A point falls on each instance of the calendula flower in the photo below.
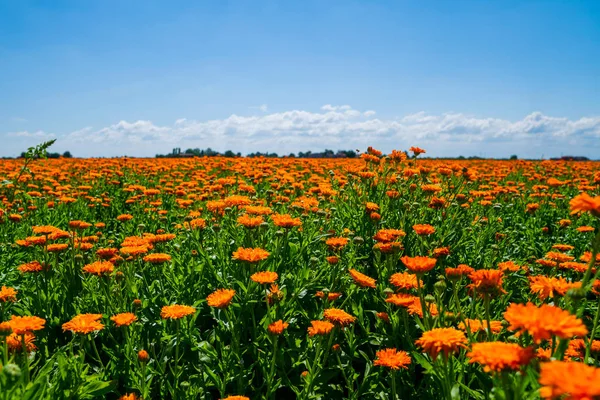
(585, 203)
(569, 380)
(487, 281)
(336, 243)
(416, 150)
(544, 322)
(130, 396)
(176, 311)
(285, 221)
(84, 324)
(404, 280)
(361, 279)
(30, 267)
(27, 324)
(251, 255)
(546, 287)
(442, 340)
(250, 222)
(236, 398)
(14, 342)
(388, 235)
(499, 356)
(123, 319)
(8, 294)
(419, 264)
(277, 327)
(157, 258)
(220, 298)
(392, 358)
(476, 325)
(99, 268)
(320, 328)
(423, 229)
(338, 316)
(401, 299)
(458, 272)
(264, 277)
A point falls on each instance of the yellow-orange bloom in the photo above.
(27, 324)
(277, 327)
(442, 340)
(251, 255)
(220, 298)
(99, 268)
(264, 277)
(392, 358)
(339, 317)
(320, 328)
(487, 281)
(250, 222)
(84, 324)
(499, 356)
(285, 221)
(361, 279)
(476, 325)
(176, 311)
(404, 280)
(544, 322)
(123, 319)
(336, 243)
(8, 294)
(423, 229)
(157, 258)
(569, 380)
(584, 202)
(419, 264)
(15, 342)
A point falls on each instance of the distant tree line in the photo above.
(66, 154)
(212, 153)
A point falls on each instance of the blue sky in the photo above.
(490, 78)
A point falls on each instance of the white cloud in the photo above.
(340, 127)
(36, 134)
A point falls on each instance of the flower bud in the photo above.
(143, 356)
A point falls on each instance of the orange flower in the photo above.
(33, 266)
(27, 324)
(220, 298)
(416, 150)
(99, 268)
(442, 340)
(458, 272)
(7, 294)
(176, 311)
(546, 287)
(509, 266)
(415, 308)
(277, 327)
(123, 319)
(476, 325)
(392, 358)
(336, 243)
(84, 324)
(125, 217)
(264, 277)
(331, 296)
(419, 264)
(404, 280)
(285, 221)
(558, 257)
(423, 229)
(57, 247)
(544, 322)
(157, 258)
(569, 380)
(361, 279)
(130, 396)
(401, 299)
(236, 398)
(585, 228)
(250, 222)
(320, 328)
(15, 342)
(337, 316)
(584, 202)
(388, 235)
(487, 281)
(251, 255)
(143, 356)
(499, 356)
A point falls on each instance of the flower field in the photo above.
(380, 277)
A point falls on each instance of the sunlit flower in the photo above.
(8, 294)
(251, 255)
(442, 340)
(499, 356)
(392, 358)
(419, 264)
(338, 316)
(123, 319)
(220, 298)
(84, 324)
(176, 311)
(569, 380)
(99, 268)
(277, 327)
(264, 277)
(27, 324)
(320, 328)
(361, 279)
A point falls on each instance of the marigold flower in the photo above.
(15, 342)
(8, 294)
(442, 340)
(419, 264)
(404, 280)
(285, 221)
(107, 253)
(27, 324)
(392, 358)
(130, 396)
(388, 235)
(509, 266)
(84, 324)
(361, 279)
(423, 229)
(250, 222)
(459, 271)
(500, 356)
(546, 287)
(584, 202)
(123, 319)
(277, 327)
(220, 298)
(336, 243)
(544, 322)
(401, 299)
(487, 281)
(157, 258)
(476, 325)
(251, 255)
(125, 217)
(99, 268)
(585, 228)
(30, 267)
(416, 150)
(176, 311)
(264, 277)
(338, 316)
(383, 316)
(415, 308)
(143, 356)
(320, 328)
(236, 398)
(574, 380)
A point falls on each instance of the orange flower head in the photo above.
(569, 380)
(544, 322)
(277, 327)
(392, 358)
(404, 280)
(547, 287)
(487, 281)
(585, 203)
(220, 298)
(401, 299)
(442, 340)
(143, 356)
(388, 235)
(251, 255)
(459, 271)
(15, 342)
(176, 311)
(338, 316)
(248, 221)
(336, 243)
(423, 229)
(123, 319)
(500, 356)
(419, 264)
(8, 294)
(27, 324)
(285, 221)
(264, 277)
(84, 324)
(30, 267)
(416, 150)
(157, 258)
(99, 268)
(476, 325)
(236, 398)
(320, 328)
(361, 279)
